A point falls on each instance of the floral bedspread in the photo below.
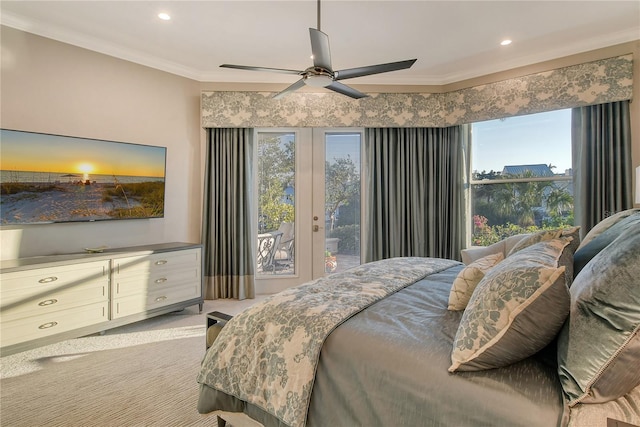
(268, 354)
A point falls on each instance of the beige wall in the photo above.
(52, 87)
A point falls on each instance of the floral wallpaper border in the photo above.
(590, 83)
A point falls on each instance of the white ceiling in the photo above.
(452, 40)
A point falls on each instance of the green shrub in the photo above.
(349, 236)
(485, 234)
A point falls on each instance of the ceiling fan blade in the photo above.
(346, 90)
(320, 49)
(373, 69)
(250, 68)
(297, 85)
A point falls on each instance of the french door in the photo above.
(308, 202)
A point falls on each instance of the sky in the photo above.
(337, 145)
(341, 145)
(543, 138)
(36, 152)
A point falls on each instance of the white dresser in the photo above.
(49, 299)
(145, 282)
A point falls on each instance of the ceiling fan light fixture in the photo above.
(319, 80)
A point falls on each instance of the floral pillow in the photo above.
(566, 258)
(544, 235)
(515, 311)
(467, 280)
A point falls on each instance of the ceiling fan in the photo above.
(321, 74)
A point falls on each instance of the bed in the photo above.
(434, 342)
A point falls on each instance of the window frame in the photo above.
(502, 179)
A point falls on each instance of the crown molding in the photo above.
(466, 71)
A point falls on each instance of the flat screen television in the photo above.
(48, 178)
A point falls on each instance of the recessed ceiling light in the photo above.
(164, 16)
(506, 42)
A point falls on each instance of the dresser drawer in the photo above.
(16, 331)
(156, 263)
(144, 283)
(37, 281)
(128, 305)
(16, 305)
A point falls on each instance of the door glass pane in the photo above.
(342, 201)
(276, 203)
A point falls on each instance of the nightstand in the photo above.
(215, 322)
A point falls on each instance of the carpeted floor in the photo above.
(142, 374)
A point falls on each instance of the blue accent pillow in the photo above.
(599, 345)
(584, 254)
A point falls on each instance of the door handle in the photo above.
(316, 228)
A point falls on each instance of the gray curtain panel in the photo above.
(227, 229)
(602, 169)
(415, 192)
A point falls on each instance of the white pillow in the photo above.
(504, 246)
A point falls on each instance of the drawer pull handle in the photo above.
(162, 298)
(47, 325)
(47, 302)
(48, 279)
(161, 280)
(161, 262)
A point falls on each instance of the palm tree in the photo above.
(517, 200)
(484, 191)
(559, 201)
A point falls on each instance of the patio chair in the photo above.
(267, 246)
(285, 249)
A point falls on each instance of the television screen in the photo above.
(53, 178)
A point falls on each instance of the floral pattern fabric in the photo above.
(515, 311)
(267, 355)
(467, 280)
(596, 82)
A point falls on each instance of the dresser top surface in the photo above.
(10, 265)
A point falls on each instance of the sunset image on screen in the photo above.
(51, 153)
(53, 178)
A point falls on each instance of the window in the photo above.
(521, 178)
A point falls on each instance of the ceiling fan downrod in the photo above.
(321, 73)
